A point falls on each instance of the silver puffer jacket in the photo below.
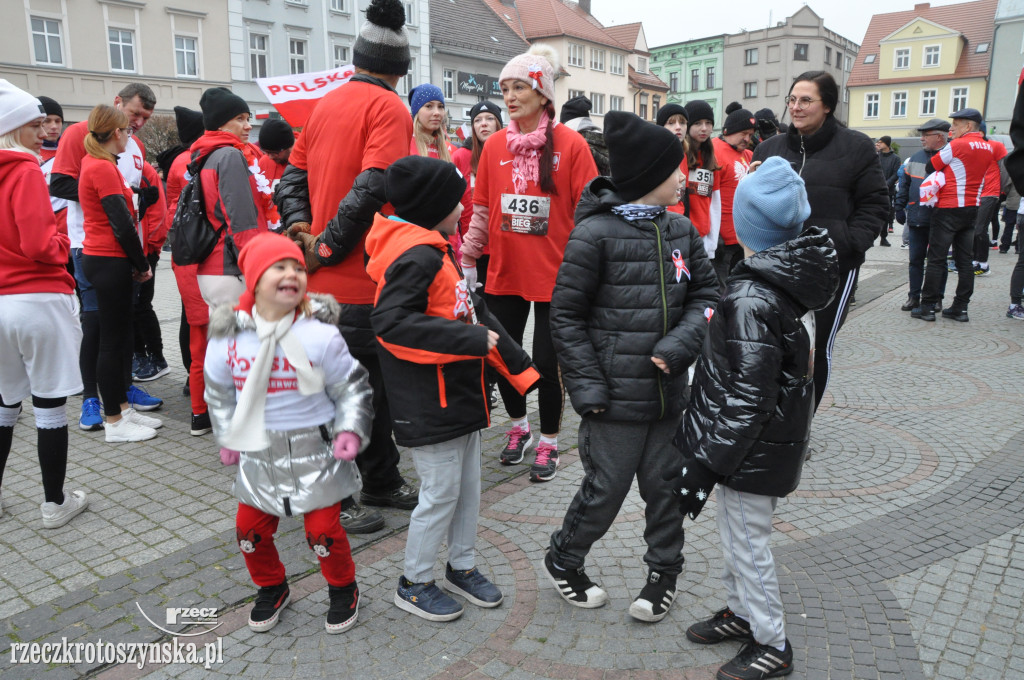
(298, 472)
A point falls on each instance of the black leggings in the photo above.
(111, 278)
(513, 311)
(51, 447)
(148, 339)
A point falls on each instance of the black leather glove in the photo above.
(693, 485)
(148, 195)
(901, 216)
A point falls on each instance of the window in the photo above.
(575, 55)
(750, 90)
(406, 84)
(410, 14)
(641, 64)
(185, 56)
(847, 63)
(828, 56)
(869, 59)
(839, 59)
(596, 59)
(928, 102)
(750, 56)
(800, 52)
(340, 56)
(846, 95)
(959, 98)
(297, 55)
(448, 83)
(899, 104)
(709, 78)
(617, 64)
(981, 48)
(597, 103)
(122, 49)
(902, 59)
(339, 5)
(655, 105)
(576, 93)
(694, 79)
(258, 55)
(871, 105)
(643, 106)
(932, 54)
(615, 103)
(46, 41)
(673, 81)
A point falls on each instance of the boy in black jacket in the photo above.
(436, 338)
(748, 422)
(628, 316)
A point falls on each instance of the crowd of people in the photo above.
(369, 286)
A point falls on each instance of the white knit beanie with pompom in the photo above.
(536, 67)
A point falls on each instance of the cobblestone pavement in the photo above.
(900, 555)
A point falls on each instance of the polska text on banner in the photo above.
(295, 96)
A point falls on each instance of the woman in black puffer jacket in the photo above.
(846, 190)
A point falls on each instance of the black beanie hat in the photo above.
(276, 135)
(738, 121)
(669, 110)
(219, 105)
(641, 155)
(733, 106)
(423, 190)
(382, 45)
(486, 106)
(190, 124)
(697, 110)
(51, 107)
(577, 107)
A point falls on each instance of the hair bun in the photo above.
(387, 13)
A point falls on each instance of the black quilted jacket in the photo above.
(749, 416)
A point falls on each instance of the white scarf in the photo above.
(247, 431)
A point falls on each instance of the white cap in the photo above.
(17, 107)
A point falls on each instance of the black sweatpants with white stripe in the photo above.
(827, 322)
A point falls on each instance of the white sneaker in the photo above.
(139, 419)
(75, 502)
(126, 430)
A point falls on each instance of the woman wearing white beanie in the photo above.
(38, 308)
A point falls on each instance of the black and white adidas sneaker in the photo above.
(724, 625)
(655, 599)
(756, 662)
(574, 586)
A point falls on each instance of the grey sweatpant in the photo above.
(613, 452)
(752, 584)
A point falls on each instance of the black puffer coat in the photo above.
(749, 416)
(845, 185)
(621, 298)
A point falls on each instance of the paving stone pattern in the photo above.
(899, 556)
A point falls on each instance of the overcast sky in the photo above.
(668, 21)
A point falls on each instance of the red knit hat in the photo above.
(258, 255)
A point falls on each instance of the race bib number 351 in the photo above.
(702, 180)
(525, 214)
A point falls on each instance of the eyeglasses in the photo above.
(801, 103)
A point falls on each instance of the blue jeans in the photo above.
(918, 255)
(85, 288)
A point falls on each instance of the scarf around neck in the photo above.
(526, 148)
(634, 212)
(247, 431)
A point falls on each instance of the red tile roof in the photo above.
(974, 20)
(626, 34)
(551, 18)
(646, 81)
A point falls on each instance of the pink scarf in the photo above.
(527, 149)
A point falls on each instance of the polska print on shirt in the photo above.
(283, 376)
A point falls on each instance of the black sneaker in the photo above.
(361, 520)
(185, 391)
(755, 662)
(910, 303)
(518, 440)
(404, 497)
(200, 424)
(955, 314)
(724, 625)
(472, 585)
(655, 599)
(344, 609)
(924, 312)
(269, 603)
(545, 464)
(151, 368)
(574, 586)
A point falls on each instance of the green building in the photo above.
(693, 70)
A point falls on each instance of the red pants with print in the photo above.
(324, 535)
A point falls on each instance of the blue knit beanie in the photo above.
(770, 205)
(421, 94)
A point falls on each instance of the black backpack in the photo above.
(193, 237)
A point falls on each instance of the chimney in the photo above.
(921, 6)
(585, 5)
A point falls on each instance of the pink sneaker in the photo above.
(518, 441)
(545, 465)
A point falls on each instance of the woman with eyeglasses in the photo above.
(846, 190)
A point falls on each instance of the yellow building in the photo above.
(921, 64)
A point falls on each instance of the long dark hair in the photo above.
(477, 144)
(827, 88)
(547, 156)
(706, 152)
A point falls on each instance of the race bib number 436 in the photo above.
(525, 214)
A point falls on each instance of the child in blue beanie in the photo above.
(748, 422)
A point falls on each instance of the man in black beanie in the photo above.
(732, 150)
(627, 252)
(53, 126)
(276, 141)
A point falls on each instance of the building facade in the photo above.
(921, 64)
(1007, 59)
(647, 91)
(691, 70)
(763, 63)
(82, 52)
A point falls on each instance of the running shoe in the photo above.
(472, 585)
(54, 515)
(92, 416)
(518, 440)
(756, 662)
(141, 400)
(724, 625)
(1015, 312)
(574, 586)
(426, 601)
(152, 369)
(545, 465)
